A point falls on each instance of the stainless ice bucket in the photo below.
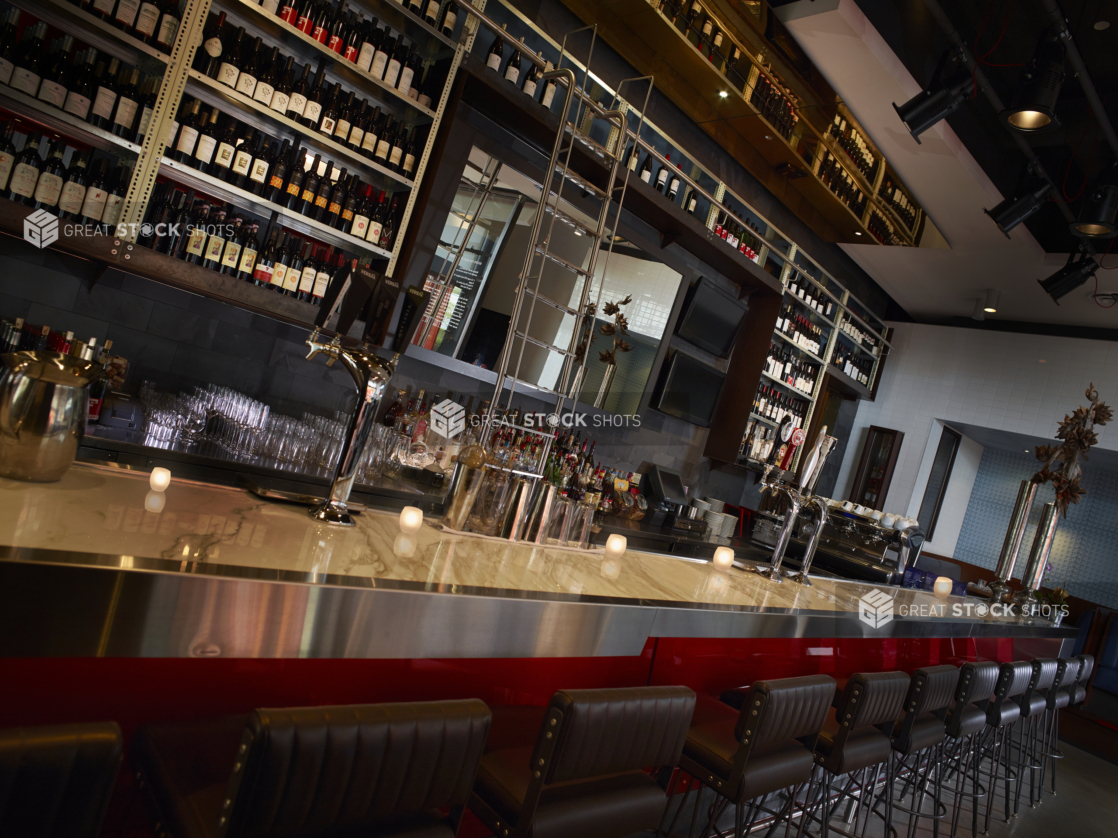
(44, 400)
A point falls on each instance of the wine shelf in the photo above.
(855, 344)
(68, 125)
(799, 394)
(848, 385)
(404, 20)
(243, 199)
(808, 310)
(253, 17)
(805, 352)
(220, 96)
(91, 30)
(764, 421)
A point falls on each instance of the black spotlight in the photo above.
(940, 98)
(1069, 277)
(1034, 106)
(1025, 202)
(1100, 210)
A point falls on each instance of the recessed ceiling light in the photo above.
(722, 94)
(1042, 361)
(857, 233)
(1102, 24)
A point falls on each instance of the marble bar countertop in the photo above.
(95, 519)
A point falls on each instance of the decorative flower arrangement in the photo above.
(617, 330)
(1061, 462)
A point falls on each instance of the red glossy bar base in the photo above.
(137, 691)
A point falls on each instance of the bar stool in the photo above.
(963, 722)
(373, 769)
(585, 774)
(1087, 665)
(855, 739)
(57, 781)
(1055, 701)
(1002, 712)
(921, 733)
(746, 755)
(1034, 704)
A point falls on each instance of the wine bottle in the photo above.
(396, 63)
(512, 69)
(149, 92)
(8, 44)
(226, 150)
(7, 153)
(352, 39)
(258, 172)
(168, 27)
(408, 72)
(450, 18)
(312, 110)
(189, 121)
(207, 143)
(292, 268)
(329, 117)
(279, 265)
(388, 231)
(376, 221)
(370, 39)
(321, 276)
(496, 54)
(549, 88)
(304, 17)
(249, 58)
(73, 190)
(306, 267)
(249, 248)
(311, 182)
(195, 247)
(673, 184)
(104, 101)
(343, 123)
(25, 172)
(30, 61)
(262, 270)
(124, 18)
(532, 79)
(357, 126)
(93, 205)
(278, 161)
(384, 144)
(296, 178)
(411, 149)
(662, 174)
(147, 21)
(361, 213)
(384, 50)
(266, 83)
(208, 59)
(372, 133)
(285, 83)
(333, 213)
(103, 9)
(81, 88)
(52, 88)
(348, 208)
(48, 188)
(228, 71)
(231, 255)
(297, 100)
(127, 104)
(396, 150)
(215, 242)
(117, 185)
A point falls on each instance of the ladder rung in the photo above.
(539, 387)
(542, 344)
(566, 219)
(579, 181)
(553, 303)
(593, 145)
(559, 260)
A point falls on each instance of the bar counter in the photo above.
(87, 570)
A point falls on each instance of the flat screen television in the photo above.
(688, 389)
(711, 319)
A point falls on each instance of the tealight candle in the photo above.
(615, 546)
(160, 479)
(155, 501)
(411, 519)
(942, 587)
(404, 546)
(723, 558)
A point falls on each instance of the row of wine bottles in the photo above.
(839, 181)
(355, 38)
(797, 373)
(900, 203)
(857, 367)
(882, 228)
(512, 71)
(707, 36)
(800, 331)
(215, 236)
(851, 141)
(773, 404)
(87, 84)
(78, 192)
(153, 22)
(740, 234)
(775, 103)
(283, 173)
(807, 293)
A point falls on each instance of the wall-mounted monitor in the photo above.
(711, 319)
(688, 389)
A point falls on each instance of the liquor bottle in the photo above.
(52, 88)
(304, 268)
(30, 61)
(168, 27)
(267, 77)
(250, 57)
(101, 112)
(394, 410)
(73, 190)
(232, 55)
(127, 104)
(25, 172)
(8, 43)
(262, 270)
(189, 122)
(215, 243)
(48, 188)
(285, 83)
(207, 143)
(208, 59)
(195, 247)
(496, 53)
(250, 246)
(311, 182)
(81, 87)
(93, 204)
(7, 153)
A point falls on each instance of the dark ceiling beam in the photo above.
(1081, 73)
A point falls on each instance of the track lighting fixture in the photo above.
(942, 96)
(978, 313)
(993, 296)
(1100, 209)
(1022, 204)
(1070, 276)
(1034, 106)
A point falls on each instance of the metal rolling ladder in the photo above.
(539, 251)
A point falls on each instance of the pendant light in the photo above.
(1034, 106)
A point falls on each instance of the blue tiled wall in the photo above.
(1085, 552)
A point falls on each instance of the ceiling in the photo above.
(877, 52)
(1103, 458)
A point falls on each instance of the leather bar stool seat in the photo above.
(862, 748)
(584, 774)
(856, 734)
(930, 691)
(383, 770)
(1079, 694)
(57, 780)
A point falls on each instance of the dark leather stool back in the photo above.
(871, 698)
(976, 685)
(306, 771)
(1088, 662)
(929, 691)
(1034, 700)
(57, 781)
(1013, 679)
(1052, 698)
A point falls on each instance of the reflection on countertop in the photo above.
(100, 512)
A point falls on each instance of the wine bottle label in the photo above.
(259, 171)
(406, 76)
(6, 68)
(530, 87)
(360, 226)
(23, 180)
(228, 74)
(293, 189)
(146, 19)
(71, 199)
(187, 138)
(327, 126)
(289, 14)
(350, 53)
(48, 189)
(168, 28)
(409, 163)
(356, 136)
(125, 112)
(231, 255)
(392, 72)
(262, 273)
(394, 157)
(25, 80)
(105, 6)
(126, 12)
(380, 61)
(335, 43)
(448, 22)
(304, 24)
(172, 132)
(225, 154)
(246, 84)
(248, 260)
(432, 12)
(493, 62)
(320, 34)
(512, 73)
(662, 177)
(145, 121)
(365, 56)
(321, 280)
(312, 111)
(341, 130)
(413, 93)
(291, 280)
(548, 95)
(214, 248)
(306, 280)
(320, 200)
(205, 149)
(270, 6)
(212, 46)
(423, 99)
(646, 175)
(308, 195)
(280, 102)
(382, 149)
(196, 242)
(114, 206)
(296, 104)
(334, 208)
(279, 274)
(103, 103)
(6, 161)
(346, 213)
(263, 92)
(369, 143)
(375, 229)
(52, 93)
(93, 207)
(241, 160)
